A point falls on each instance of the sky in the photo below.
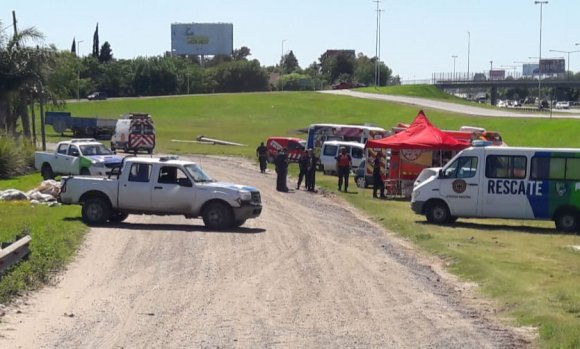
(418, 37)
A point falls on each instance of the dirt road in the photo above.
(309, 273)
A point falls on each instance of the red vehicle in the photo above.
(295, 147)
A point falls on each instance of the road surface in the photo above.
(451, 107)
(309, 273)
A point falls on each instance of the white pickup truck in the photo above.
(161, 186)
(84, 156)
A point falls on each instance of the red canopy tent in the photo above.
(421, 134)
(412, 148)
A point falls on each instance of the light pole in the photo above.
(281, 66)
(490, 68)
(454, 57)
(540, 56)
(79, 71)
(468, 49)
(568, 52)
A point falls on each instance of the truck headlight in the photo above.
(245, 196)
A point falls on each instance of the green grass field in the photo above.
(524, 266)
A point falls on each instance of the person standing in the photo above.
(343, 165)
(262, 154)
(378, 184)
(281, 163)
(311, 171)
(302, 166)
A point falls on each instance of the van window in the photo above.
(555, 168)
(330, 150)
(463, 167)
(505, 166)
(357, 153)
(351, 139)
(293, 145)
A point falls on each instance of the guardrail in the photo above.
(14, 252)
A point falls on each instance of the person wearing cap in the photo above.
(262, 154)
(311, 171)
(281, 163)
(302, 166)
(343, 165)
(378, 184)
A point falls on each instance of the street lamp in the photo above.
(281, 67)
(568, 52)
(468, 49)
(540, 56)
(79, 71)
(454, 57)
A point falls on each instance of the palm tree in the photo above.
(23, 72)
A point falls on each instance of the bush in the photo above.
(16, 157)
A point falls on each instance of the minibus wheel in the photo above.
(437, 212)
(566, 221)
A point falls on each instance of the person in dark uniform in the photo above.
(378, 184)
(343, 165)
(302, 166)
(311, 171)
(281, 163)
(262, 154)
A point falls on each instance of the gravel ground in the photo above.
(309, 273)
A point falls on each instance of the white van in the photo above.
(504, 182)
(329, 152)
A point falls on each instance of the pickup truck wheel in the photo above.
(217, 216)
(46, 172)
(96, 211)
(85, 172)
(437, 213)
(118, 217)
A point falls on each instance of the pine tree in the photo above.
(96, 42)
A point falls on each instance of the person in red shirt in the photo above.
(343, 165)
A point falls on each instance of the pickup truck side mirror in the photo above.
(441, 174)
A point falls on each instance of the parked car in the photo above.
(361, 177)
(563, 105)
(97, 96)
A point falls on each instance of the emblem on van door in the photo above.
(459, 186)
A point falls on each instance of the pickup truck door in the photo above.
(173, 192)
(135, 188)
(59, 162)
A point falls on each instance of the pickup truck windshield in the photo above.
(198, 174)
(95, 149)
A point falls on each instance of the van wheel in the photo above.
(437, 213)
(360, 182)
(46, 172)
(566, 221)
(96, 211)
(217, 216)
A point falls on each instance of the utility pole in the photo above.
(454, 57)
(540, 56)
(377, 38)
(568, 52)
(468, 49)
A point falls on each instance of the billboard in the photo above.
(553, 66)
(530, 69)
(496, 74)
(202, 38)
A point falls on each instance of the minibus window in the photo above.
(503, 166)
(357, 153)
(573, 169)
(330, 150)
(463, 167)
